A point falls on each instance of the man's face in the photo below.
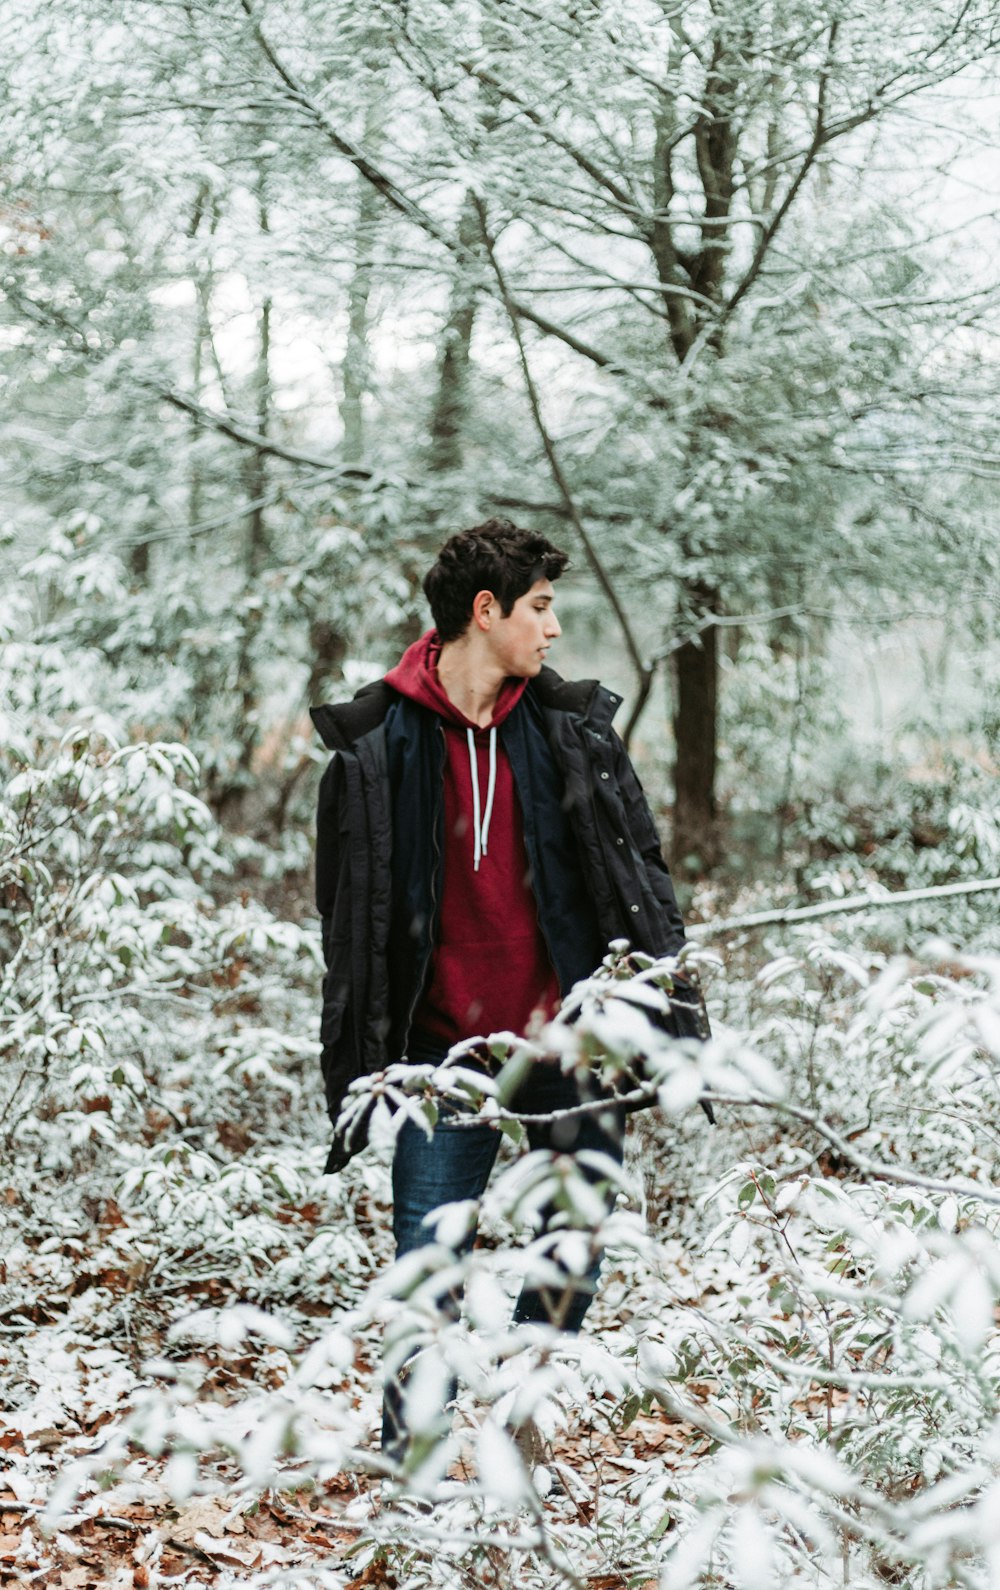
(520, 641)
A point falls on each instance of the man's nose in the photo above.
(553, 626)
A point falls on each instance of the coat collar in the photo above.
(342, 725)
(587, 698)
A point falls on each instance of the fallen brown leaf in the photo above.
(262, 1526)
(171, 1564)
(246, 1556)
(232, 1136)
(48, 1439)
(208, 1517)
(75, 1578)
(315, 1537)
(341, 1484)
(111, 1215)
(376, 1573)
(156, 1123)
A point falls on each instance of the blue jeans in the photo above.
(455, 1164)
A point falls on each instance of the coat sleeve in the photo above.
(689, 1016)
(642, 828)
(334, 906)
(328, 849)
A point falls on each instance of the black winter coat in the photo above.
(588, 787)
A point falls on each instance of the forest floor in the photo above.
(78, 1358)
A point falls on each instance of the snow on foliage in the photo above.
(792, 1369)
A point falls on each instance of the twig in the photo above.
(876, 1170)
(637, 1099)
(816, 143)
(187, 1550)
(849, 904)
(33, 1510)
(644, 670)
(400, 201)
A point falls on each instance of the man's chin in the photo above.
(529, 668)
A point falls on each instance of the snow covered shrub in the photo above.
(791, 1370)
(152, 1039)
(102, 845)
(846, 1372)
(794, 1381)
(226, 667)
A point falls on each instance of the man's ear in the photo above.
(485, 609)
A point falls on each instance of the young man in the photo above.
(482, 836)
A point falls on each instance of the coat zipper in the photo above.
(433, 925)
(527, 826)
(595, 815)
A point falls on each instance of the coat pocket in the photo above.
(332, 1021)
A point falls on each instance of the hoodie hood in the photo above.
(416, 676)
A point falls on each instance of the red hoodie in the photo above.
(490, 968)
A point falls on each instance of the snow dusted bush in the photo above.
(150, 1032)
(101, 924)
(810, 1331)
(791, 1371)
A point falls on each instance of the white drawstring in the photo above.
(490, 789)
(475, 797)
(481, 833)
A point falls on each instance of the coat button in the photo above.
(605, 775)
(619, 840)
(633, 908)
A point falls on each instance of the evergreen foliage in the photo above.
(288, 293)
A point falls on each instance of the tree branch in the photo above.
(644, 671)
(247, 436)
(407, 207)
(638, 1098)
(875, 1169)
(625, 201)
(767, 236)
(846, 907)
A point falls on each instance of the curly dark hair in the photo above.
(496, 556)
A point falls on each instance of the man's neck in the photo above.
(471, 681)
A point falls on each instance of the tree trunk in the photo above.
(202, 332)
(700, 270)
(696, 690)
(447, 419)
(256, 474)
(256, 549)
(356, 369)
(448, 416)
(256, 553)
